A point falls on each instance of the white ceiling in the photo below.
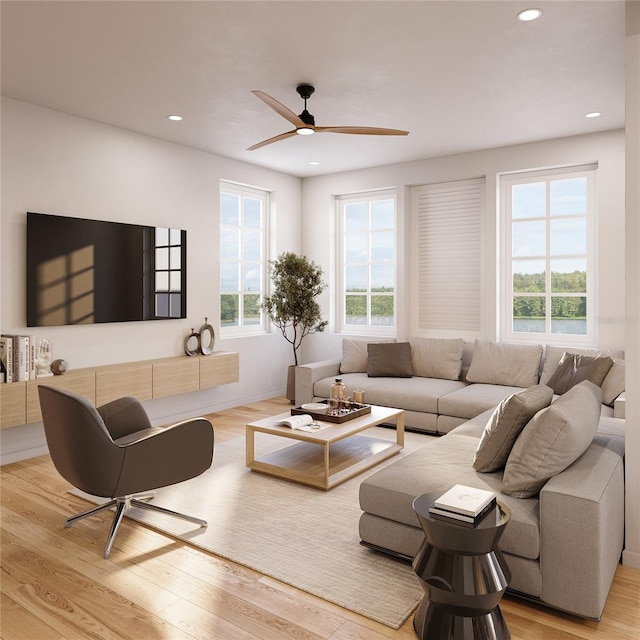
(459, 76)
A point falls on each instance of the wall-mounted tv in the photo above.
(83, 271)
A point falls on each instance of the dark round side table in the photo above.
(463, 575)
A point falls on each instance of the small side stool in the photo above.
(463, 574)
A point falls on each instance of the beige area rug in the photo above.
(299, 535)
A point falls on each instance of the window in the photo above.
(446, 245)
(367, 274)
(549, 256)
(243, 212)
(170, 273)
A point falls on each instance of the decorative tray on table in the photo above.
(355, 410)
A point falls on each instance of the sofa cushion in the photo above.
(553, 355)
(613, 384)
(503, 363)
(505, 425)
(436, 467)
(437, 357)
(354, 354)
(473, 399)
(552, 440)
(391, 359)
(410, 394)
(575, 367)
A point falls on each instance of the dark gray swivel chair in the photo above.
(113, 451)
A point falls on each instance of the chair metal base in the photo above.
(121, 505)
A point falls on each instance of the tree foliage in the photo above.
(292, 306)
(561, 306)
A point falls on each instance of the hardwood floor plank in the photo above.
(55, 583)
(67, 599)
(19, 623)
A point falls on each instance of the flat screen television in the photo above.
(83, 271)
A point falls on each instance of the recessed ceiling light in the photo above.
(175, 118)
(529, 14)
(592, 114)
(314, 162)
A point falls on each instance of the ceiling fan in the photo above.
(305, 123)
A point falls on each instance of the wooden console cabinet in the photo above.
(147, 379)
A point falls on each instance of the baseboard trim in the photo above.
(631, 559)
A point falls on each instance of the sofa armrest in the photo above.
(582, 530)
(618, 406)
(307, 374)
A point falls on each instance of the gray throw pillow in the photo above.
(552, 440)
(389, 360)
(575, 368)
(354, 354)
(505, 425)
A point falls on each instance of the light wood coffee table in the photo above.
(329, 456)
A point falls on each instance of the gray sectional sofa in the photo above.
(565, 538)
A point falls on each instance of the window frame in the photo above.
(255, 193)
(340, 299)
(507, 181)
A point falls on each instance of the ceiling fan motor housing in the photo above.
(307, 118)
(305, 90)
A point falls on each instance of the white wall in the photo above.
(56, 163)
(632, 440)
(607, 149)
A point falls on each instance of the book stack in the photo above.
(463, 505)
(18, 357)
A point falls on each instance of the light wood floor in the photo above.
(55, 583)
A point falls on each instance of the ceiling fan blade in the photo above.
(366, 131)
(279, 108)
(282, 136)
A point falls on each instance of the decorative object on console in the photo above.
(207, 338)
(200, 342)
(192, 343)
(18, 354)
(43, 360)
(58, 367)
(292, 306)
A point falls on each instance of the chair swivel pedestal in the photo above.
(463, 575)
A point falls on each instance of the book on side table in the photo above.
(464, 504)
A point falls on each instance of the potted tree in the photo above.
(292, 307)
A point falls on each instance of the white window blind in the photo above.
(446, 222)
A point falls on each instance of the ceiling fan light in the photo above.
(305, 131)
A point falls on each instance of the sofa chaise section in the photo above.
(562, 546)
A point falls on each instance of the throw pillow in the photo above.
(354, 355)
(553, 355)
(614, 383)
(514, 365)
(391, 359)
(575, 368)
(437, 357)
(505, 425)
(552, 440)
